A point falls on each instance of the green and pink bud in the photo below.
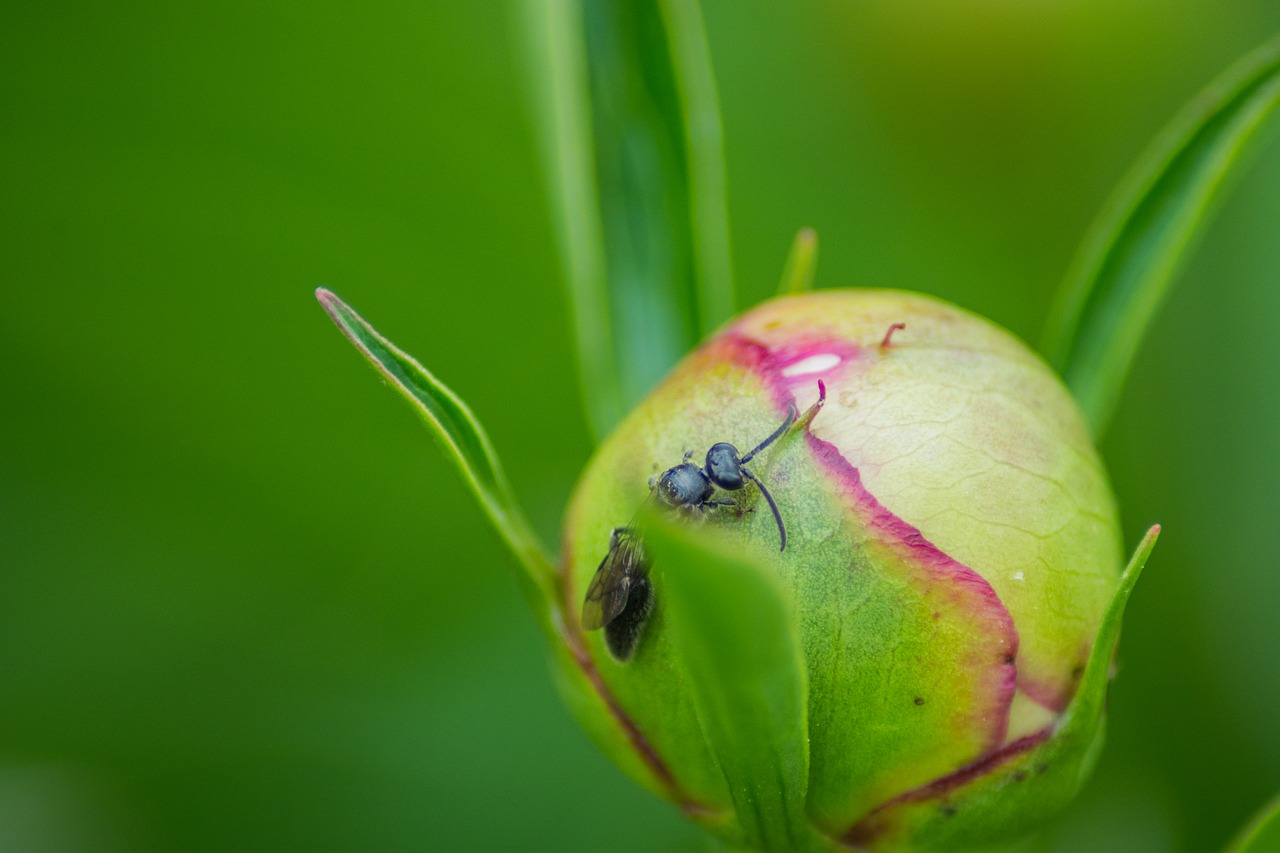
(952, 553)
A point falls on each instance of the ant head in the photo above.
(724, 467)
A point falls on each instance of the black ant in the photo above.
(620, 596)
(692, 489)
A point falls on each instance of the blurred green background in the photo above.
(244, 601)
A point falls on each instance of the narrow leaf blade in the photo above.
(732, 622)
(699, 116)
(1086, 707)
(557, 62)
(631, 136)
(459, 433)
(1131, 253)
(1262, 833)
(797, 275)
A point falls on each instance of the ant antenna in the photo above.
(777, 516)
(791, 416)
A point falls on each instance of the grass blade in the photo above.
(631, 138)
(1131, 253)
(740, 644)
(797, 275)
(461, 436)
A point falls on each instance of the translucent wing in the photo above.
(611, 585)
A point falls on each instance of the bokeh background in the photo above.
(244, 601)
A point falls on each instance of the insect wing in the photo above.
(611, 586)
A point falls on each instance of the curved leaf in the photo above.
(1128, 258)
(462, 438)
(741, 646)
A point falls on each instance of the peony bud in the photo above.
(952, 549)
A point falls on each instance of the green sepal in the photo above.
(465, 444)
(1022, 784)
(1132, 251)
(731, 619)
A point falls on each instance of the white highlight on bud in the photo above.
(813, 364)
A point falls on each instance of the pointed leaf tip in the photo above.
(462, 437)
(802, 261)
(1085, 709)
(1140, 555)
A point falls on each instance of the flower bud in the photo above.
(951, 548)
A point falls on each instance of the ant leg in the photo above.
(777, 516)
(791, 416)
(688, 454)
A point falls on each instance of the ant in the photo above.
(620, 597)
(692, 489)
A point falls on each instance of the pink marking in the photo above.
(932, 569)
(1053, 697)
(791, 367)
(877, 823)
(935, 569)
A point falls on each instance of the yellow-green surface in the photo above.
(916, 666)
(245, 603)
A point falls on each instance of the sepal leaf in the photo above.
(732, 620)
(462, 438)
(973, 806)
